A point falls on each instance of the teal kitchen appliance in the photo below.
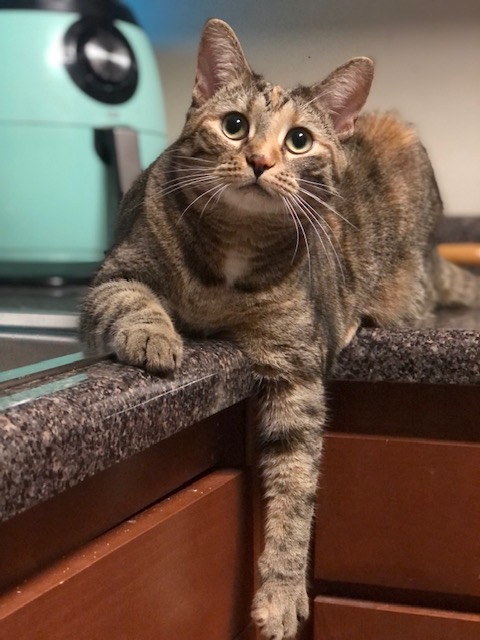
(81, 112)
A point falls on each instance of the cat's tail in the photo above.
(455, 286)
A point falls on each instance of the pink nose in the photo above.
(259, 164)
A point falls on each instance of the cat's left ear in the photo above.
(220, 60)
(344, 92)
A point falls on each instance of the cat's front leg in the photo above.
(128, 318)
(292, 416)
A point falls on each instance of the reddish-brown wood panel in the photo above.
(342, 619)
(400, 513)
(403, 409)
(250, 633)
(181, 569)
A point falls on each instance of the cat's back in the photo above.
(383, 143)
(388, 168)
(386, 134)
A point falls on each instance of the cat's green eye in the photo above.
(298, 140)
(235, 126)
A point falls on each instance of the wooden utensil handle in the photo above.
(465, 253)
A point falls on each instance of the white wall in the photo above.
(429, 72)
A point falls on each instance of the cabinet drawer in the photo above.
(401, 513)
(342, 619)
(181, 569)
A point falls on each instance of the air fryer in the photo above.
(81, 114)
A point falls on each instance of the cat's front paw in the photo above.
(158, 349)
(277, 609)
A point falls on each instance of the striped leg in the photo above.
(291, 422)
(127, 317)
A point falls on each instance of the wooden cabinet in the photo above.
(180, 569)
(397, 533)
(34, 538)
(343, 619)
(401, 513)
(163, 546)
(157, 547)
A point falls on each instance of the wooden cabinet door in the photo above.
(401, 513)
(343, 619)
(181, 569)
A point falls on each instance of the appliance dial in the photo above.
(100, 61)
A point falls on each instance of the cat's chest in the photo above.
(235, 266)
(208, 307)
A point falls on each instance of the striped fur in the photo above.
(286, 264)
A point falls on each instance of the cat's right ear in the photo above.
(220, 60)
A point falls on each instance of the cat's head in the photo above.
(257, 146)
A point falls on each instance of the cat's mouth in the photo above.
(251, 196)
(255, 186)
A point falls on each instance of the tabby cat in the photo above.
(280, 219)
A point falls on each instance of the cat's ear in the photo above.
(344, 92)
(220, 60)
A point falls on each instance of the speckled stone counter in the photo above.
(59, 430)
(436, 356)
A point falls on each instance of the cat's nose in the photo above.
(259, 164)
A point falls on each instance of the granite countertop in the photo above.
(59, 430)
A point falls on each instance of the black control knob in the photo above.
(100, 61)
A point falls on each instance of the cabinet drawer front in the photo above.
(181, 569)
(401, 513)
(342, 619)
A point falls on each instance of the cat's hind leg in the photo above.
(454, 286)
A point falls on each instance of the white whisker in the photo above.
(217, 194)
(181, 179)
(321, 187)
(220, 194)
(322, 220)
(184, 169)
(315, 217)
(309, 217)
(327, 206)
(185, 183)
(195, 200)
(295, 216)
(296, 228)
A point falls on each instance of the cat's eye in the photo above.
(298, 140)
(235, 126)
